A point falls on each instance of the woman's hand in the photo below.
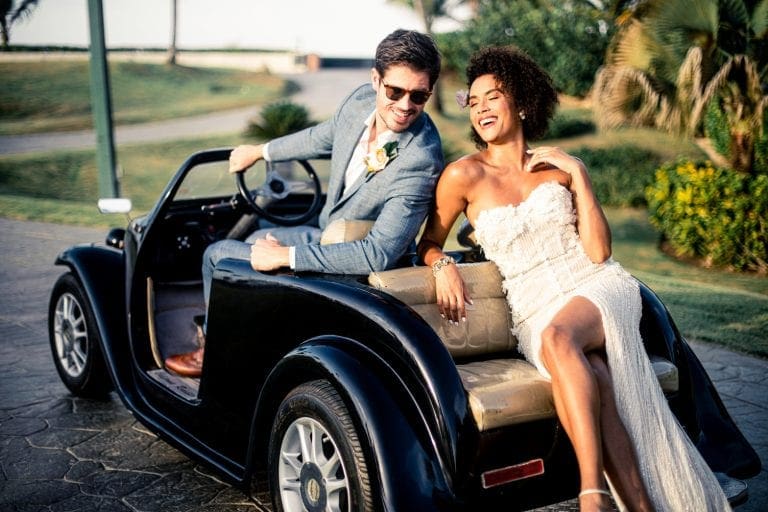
(452, 294)
(551, 156)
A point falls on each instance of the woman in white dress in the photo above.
(576, 312)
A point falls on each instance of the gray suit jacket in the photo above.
(396, 198)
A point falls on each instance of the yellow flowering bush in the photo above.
(712, 214)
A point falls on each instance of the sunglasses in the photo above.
(396, 93)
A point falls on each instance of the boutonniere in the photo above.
(378, 159)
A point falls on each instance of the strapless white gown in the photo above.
(543, 265)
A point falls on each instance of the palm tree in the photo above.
(9, 15)
(428, 10)
(673, 58)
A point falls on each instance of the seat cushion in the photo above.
(506, 392)
(666, 373)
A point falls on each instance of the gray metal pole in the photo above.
(101, 104)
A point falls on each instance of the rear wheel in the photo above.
(75, 342)
(316, 462)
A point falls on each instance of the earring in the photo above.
(522, 115)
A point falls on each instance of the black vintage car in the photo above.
(333, 392)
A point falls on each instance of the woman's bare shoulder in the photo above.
(468, 168)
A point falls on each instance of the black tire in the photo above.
(296, 480)
(75, 341)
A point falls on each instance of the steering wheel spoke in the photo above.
(297, 187)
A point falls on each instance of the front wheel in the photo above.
(75, 340)
(315, 458)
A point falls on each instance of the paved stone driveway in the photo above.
(59, 453)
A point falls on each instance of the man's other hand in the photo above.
(268, 254)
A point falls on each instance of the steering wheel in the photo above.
(276, 186)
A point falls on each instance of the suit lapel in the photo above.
(340, 195)
(336, 187)
(403, 139)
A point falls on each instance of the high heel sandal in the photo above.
(594, 491)
(587, 492)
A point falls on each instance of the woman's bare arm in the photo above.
(450, 201)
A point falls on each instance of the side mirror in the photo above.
(115, 238)
(115, 205)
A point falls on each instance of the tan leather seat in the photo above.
(344, 230)
(487, 329)
(501, 390)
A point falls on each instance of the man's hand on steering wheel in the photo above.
(244, 156)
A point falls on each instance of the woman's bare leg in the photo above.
(619, 455)
(575, 330)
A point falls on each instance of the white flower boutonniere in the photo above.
(378, 160)
(462, 98)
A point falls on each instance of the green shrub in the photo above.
(563, 126)
(717, 131)
(620, 174)
(278, 119)
(715, 215)
(72, 176)
(568, 39)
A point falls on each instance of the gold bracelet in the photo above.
(439, 264)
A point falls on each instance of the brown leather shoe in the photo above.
(188, 365)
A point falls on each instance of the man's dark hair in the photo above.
(414, 49)
(522, 80)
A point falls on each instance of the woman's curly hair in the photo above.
(521, 79)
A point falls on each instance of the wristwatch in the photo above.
(439, 264)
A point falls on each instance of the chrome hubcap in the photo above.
(310, 473)
(70, 335)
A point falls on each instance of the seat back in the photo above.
(501, 390)
(345, 230)
(487, 329)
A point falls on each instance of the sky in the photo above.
(330, 28)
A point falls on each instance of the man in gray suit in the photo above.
(385, 160)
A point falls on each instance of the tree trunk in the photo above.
(742, 152)
(3, 33)
(172, 47)
(426, 12)
(437, 99)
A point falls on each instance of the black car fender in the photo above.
(101, 272)
(406, 469)
(404, 351)
(660, 335)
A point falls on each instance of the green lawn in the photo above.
(709, 305)
(53, 96)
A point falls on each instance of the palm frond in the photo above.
(634, 48)
(734, 12)
(23, 10)
(759, 21)
(627, 96)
